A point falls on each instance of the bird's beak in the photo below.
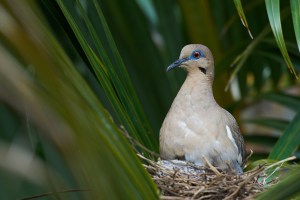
(177, 63)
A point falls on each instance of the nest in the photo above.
(178, 180)
(182, 180)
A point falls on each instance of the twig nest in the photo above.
(182, 180)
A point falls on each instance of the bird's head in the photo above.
(195, 58)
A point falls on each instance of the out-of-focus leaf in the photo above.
(65, 109)
(295, 8)
(259, 75)
(273, 10)
(241, 13)
(259, 162)
(172, 42)
(278, 124)
(289, 101)
(285, 189)
(241, 58)
(8, 123)
(277, 57)
(194, 12)
(260, 139)
(288, 142)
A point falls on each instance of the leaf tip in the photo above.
(249, 32)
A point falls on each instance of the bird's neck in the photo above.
(197, 89)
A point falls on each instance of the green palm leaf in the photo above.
(289, 188)
(295, 8)
(109, 69)
(273, 10)
(241, 13)
(288, 142)
(66, 110)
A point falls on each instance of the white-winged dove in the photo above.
(196, 127)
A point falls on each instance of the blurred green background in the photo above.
(78, 78)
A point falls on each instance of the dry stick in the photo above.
(148, 160)
(247, 158)
(232, 195)
(281, 161)
(206, 196)
(197, 192)
(171, 198)
(134, 142)
(53, 193)
(212, 167)
(169, 191)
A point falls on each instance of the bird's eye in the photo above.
(197, 54)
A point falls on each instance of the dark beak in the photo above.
(177, 63)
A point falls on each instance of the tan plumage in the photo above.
(196, 126)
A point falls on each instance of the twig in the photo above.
(212, 167)
(247, 158)
(134, 142)
(281, 161)
(197, 192)
(171, 198)
(53, 193)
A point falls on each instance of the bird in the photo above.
(196, 128)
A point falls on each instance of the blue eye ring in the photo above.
(196, 55)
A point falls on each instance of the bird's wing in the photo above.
(236, 134)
